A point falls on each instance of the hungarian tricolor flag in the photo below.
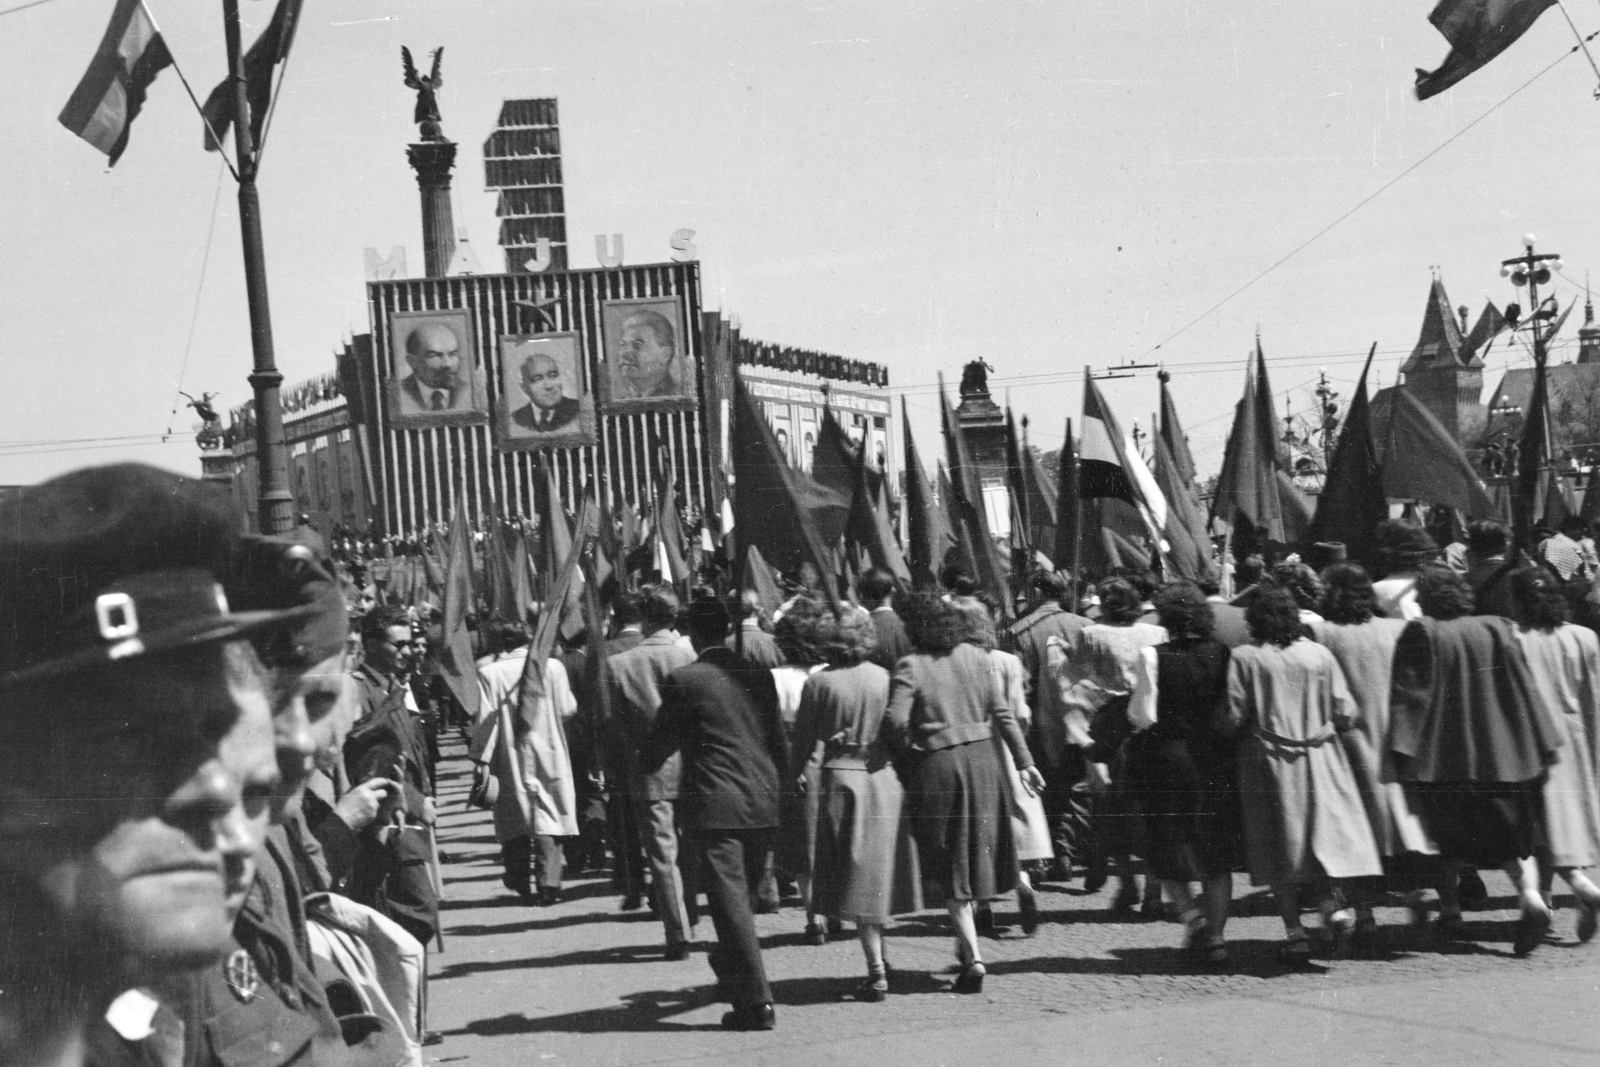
(111, 92)
(1478, 30)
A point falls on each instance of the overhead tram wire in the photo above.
(1364, 201)
(23, 7)
(199, 290)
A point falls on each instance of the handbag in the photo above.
(485, 788)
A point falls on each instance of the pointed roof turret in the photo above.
(1589, 332)
(1440, 344)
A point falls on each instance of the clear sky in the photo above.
(1042, 185)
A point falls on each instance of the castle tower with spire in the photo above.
(1445, 371)
(1589, 332)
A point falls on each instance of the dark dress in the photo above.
(1181, 771)
(865, 865)
(1471, 739)
(943, 713)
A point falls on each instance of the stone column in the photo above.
(432, 161)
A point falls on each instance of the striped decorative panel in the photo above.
(425, 474)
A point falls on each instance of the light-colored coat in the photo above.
(1565, 665)
(1303, 814)
(542, 758)
(1365, 653)
(1029, 826)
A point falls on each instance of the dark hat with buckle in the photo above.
(291, 571)
(110, 564)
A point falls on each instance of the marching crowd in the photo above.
(217, 837)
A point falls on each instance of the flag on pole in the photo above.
(1068, 506)
(111, 92)
(928, 535)
(455, 658)
(1478, 30)
(1110, 467)
(1255, 482)
(775, 506)
(1421, 461)
(870, 527)
(967, 509)
(260, 63)
(1352, 502)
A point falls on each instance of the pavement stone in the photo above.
(583, 983)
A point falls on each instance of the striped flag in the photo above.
(1109, 466)
(102, 108)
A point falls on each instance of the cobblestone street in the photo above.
(582, 983)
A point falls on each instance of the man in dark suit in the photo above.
(751, 640)
(636, 677)
(549, 409)
(721, 715)
(1066, 798)
(876, 590)
(436, 381)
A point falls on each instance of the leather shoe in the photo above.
(678, 952)
(752, 1017)
(632, 902)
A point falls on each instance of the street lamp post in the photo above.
(1531, 269)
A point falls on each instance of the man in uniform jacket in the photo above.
(1066, 797)
(721, 715)
(393, 872)
(636, 678)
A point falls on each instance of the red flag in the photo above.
(928, 535)
(111, 92)
(1068, 506)
(1352, 502)
(967, 509)
(455, 658)
(260, 62)
(777, 508)
(1421, 461)
(1478, 30)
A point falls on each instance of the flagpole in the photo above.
(276, 503)
(1581, 44)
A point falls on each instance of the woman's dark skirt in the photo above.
(962, 822)
(1482, 824)
(1189, 800)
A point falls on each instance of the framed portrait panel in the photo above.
(544, 399)
(434, 378)
(645, 365)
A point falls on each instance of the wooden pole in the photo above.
(276, 503)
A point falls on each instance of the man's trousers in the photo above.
(732, 865)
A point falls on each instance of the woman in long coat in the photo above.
(1030, 829)
(1096, 670)
(864, 867)
(944, 709)
(1178, 767)
(1303, 816)
(1565, 663)
(1364, 645)
(1472, 740)
(798, 635)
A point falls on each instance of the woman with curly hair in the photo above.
(1404, 548)
(799, 637)
(1178, 768)
(1565, 663)
(944, 709)
(1472, 739)
(1095, 672)
(1304, 585)
(1364, 645)
(864, 865)
(1029, 827)
(1303, 816)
